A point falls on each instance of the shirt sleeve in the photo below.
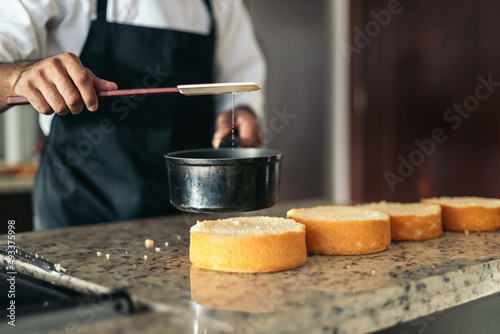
(23, 28)
(238, 57)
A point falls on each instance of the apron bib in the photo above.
(108, 165)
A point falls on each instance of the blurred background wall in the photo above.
(423, 80)
(425, 99)
(294, 36)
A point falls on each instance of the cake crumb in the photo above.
(145, 257)
(107, 256)
(178, 237)
(466, 233)
(166, 243)
(149, 243)
(157, 249)
(99, 253)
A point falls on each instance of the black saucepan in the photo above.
(224, 179)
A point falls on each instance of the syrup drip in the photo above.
(232, 121)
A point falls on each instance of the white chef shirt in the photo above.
(33, 29)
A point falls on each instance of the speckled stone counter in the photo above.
(329, 294)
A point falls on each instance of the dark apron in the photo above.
(108, 165)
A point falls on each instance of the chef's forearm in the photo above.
(9, 74)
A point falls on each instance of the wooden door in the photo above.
(425, 99)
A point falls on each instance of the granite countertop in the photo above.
(329, 294)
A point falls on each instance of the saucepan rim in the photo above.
(224, 156)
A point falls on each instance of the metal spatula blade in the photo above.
(219, 88)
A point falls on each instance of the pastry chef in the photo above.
(103, 159)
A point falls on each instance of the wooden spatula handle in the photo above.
(16, 100)
(19, 100)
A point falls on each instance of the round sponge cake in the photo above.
(248, 244)
(468, 213)
(411, 221)
(343, 230)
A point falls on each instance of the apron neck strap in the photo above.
(209, 6)
(102, 6)
(211, 13)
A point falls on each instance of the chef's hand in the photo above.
(247, 124)
(59, 84)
